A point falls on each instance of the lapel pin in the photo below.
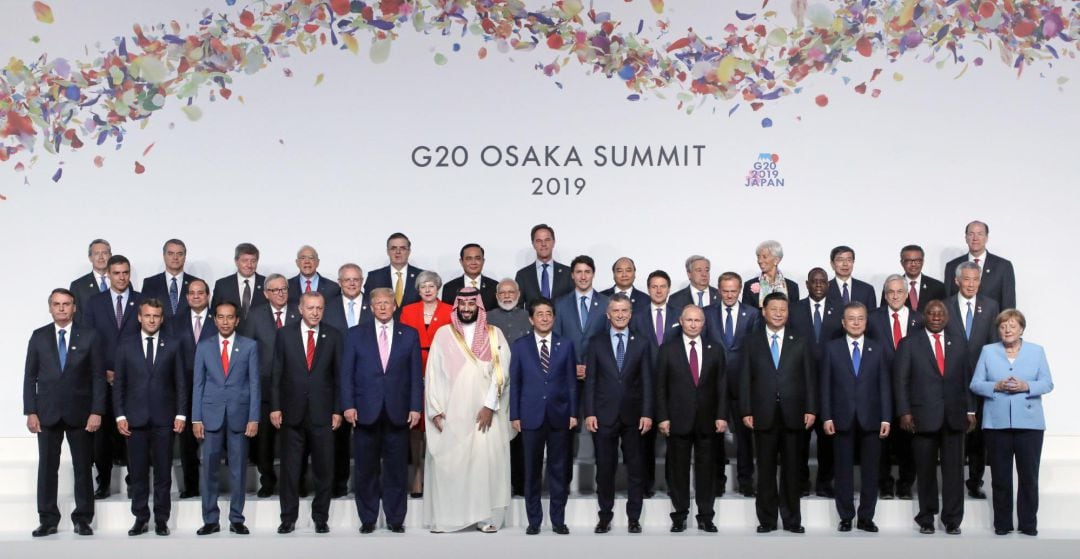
(988, 270)
(708, 347)
(828, 311)
(631, 337)
(869, 349)
(948, 343)
(978, 309)
(73, 348)
(323, 336)
(162, 344)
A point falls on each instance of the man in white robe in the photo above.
(467, 466)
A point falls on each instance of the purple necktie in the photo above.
(119, 311)
(694, 372)
(659, 327)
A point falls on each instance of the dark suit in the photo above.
(63, 400)
(382, 400)
(778, 398)
(998, 279)
(182, 328)
(983, 331)
(386, 276)
(109, 446)
(307, 399)
(487, 290)
(858, 290)
(693, 411)
(261, 326)
(930, 289)
(84, 289)
(326, 286)
(857, 402)
(544, 402)
(227, 289)
(150, 396)
(688, 296)
(745, 319)
(939, 404)
(643, 323)
(529, 283)
(158, 287)
(896, 448)
(225, 404)
(752, 299)
(639, 300)
(337, 317)
(619, 398)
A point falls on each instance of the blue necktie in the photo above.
(729, 329)
(817, 321)
(352, 314)
(620, 351)
(149, 353)
(174, 295)
(584, 312)
(967, 323)
(545, 282)
(846, 295)
(775, 348)
(103, 286)
(701, 299)
(856, 357)
(61, 347)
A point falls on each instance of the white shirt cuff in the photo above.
(120, 418)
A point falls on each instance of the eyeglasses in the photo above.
(306, 258)
(911, 260)
(278, 290)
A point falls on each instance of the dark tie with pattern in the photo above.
(245, 299)
(174, 295)
(545, 356)
(620, 351)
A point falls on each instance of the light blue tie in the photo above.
(701, 299)
(584, 311)
(174, 295)
(856, 357)
(62, 349)
(620, 351)
(103, 286)
(967, 323)
(775, 348)
(352, 314)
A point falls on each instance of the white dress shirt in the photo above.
(779, 338)
(697, 345)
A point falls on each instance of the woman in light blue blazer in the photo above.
(1011, 377)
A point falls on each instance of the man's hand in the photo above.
(33, 424)
(178, 425)
(808, 420)
(581, 372)
(275, 419)
(483, 419)
(592, 424)
(93, 423)
(110, 376)
(438, 421)
(335, 422)
(665, 428)
(721, 425)
(748, 420)
(414, 419)
(829, 427)
(199, 430)
(885, 428)
(573, 422)
(252, 429)
(907, 423)
(971, 419)
(122, 427)
(350, 416)
(644, 424)
(516, 424)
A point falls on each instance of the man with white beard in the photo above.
(514, 323)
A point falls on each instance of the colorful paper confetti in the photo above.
(43, 12)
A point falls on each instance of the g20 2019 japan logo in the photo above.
(765, 172)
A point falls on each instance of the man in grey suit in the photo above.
(998, 278)
(225, 413)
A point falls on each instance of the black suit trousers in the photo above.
(784, 447)
(896, 449)
(80, 445)
(262, 448)
(320, 441)
(927, 448)
(189, 457)
(607, 441)
(680, 448)
(825, 470)
(342, 457)
(1025, 447)
(108, 445)
(150, 446)
(866, 444)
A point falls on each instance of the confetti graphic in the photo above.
(56, 103)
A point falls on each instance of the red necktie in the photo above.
(939, 353)
(896, 335)
(913, 297)
(278, 319)
(225, 357)
(694, 372)
(308, 288)
(310, 348)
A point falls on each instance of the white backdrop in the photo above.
(329, 165)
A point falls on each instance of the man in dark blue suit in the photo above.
(699, 292)
(171, 286)
(727, 323)
(399, 276)
(543, 408)
(659, 323)
(114, 316)
(225, 400)
(544, 277)
(624, 272)
(309, 279)
(64, 395)
(921, 289)
(471, 258)
(151, 397)
(856, 409)
(95, 281)
(998, 281)
(619, 409)
(382, 394)
(887, 326)
(843, 288)
(245, 287)
(189, 329)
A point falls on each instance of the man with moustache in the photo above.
(624, 272)
(471, 258)
(920, 289)
(189, 329)
(514, 322)
(171, 286)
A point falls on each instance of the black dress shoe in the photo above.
(419, 495)
(952, 529)
(1029, 532)
(140, 527)
(532, 530)
(265, 492)
(976, 493)
(286, 527)
(340, 491)
(397, 529)
(886, 494)
(161, 528)
(83, 529)
(1001, 532)
(845, 526)
(634, 527)
(649, 494)
(302, 491)
(706, 526)
(367, 528)
(806, 492)
(747, 489)
(866, 526)
(602, 527)
(43, 530)
(102, 492)
(796, 529)
(186, 494)
(322, 527)
(926, 528)
(239, 528)
(763, 529)
(560, 529)
(678, 526)
(904, 494)
(208, 529)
